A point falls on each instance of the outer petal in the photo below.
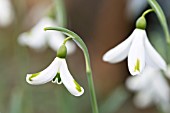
(136, 56)
(37, 37)
(159, 83)
(143, 98)
(46, 75)
(141, 82)
(152, 56)
(119, 52)
(6, 13)
(72, 86)
(35, 41)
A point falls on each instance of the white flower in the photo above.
(57, 72)
(151, 88)
(6, 13)
(38, 39)
(139, 51)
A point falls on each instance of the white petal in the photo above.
(152, 56)
(119, 52)
(37, 38)
(143, 99)
(69, 82)
(159, 83)
(44, 22)
(136, 56)
(6, 13)
(135, 83)
(34, 41)
(141, 81)
(46, 75)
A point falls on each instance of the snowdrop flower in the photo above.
(57, 72)
(151, 88)
(6, 13)
(38, 39)
(138, 49)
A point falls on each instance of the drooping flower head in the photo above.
(150, 87)
(57, 72)
(6, 13)
(138, 49)
(38, 40)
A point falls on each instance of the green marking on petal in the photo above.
(34, 75)
(137, 66)
(78, 87)
(57, 77)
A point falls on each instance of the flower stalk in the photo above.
(82, 45)
(161, 16)
(147, 11)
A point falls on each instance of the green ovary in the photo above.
(137, 66)
(34, 75)
(77, 86)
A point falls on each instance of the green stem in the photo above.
(147, 11)
(161, 16)
(61, 13)
(66, 39)
(82, 45)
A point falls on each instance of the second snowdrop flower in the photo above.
(38, 39)
(138, 49)
(6, 13)
(57, 72)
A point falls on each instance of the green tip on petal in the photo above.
(62, 52)
(137, 66)
(141, 23)
(34, 75)
(77, 86)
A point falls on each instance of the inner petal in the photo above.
(57, 79)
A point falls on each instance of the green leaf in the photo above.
(161, 16)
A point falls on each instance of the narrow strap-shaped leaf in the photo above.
(161, 16)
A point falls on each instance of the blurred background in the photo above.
(102, 24)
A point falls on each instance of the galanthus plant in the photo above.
(141, 57)
(138, 49)
(151, 87)
(57, 72)
(38, 40)
(6, 13)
